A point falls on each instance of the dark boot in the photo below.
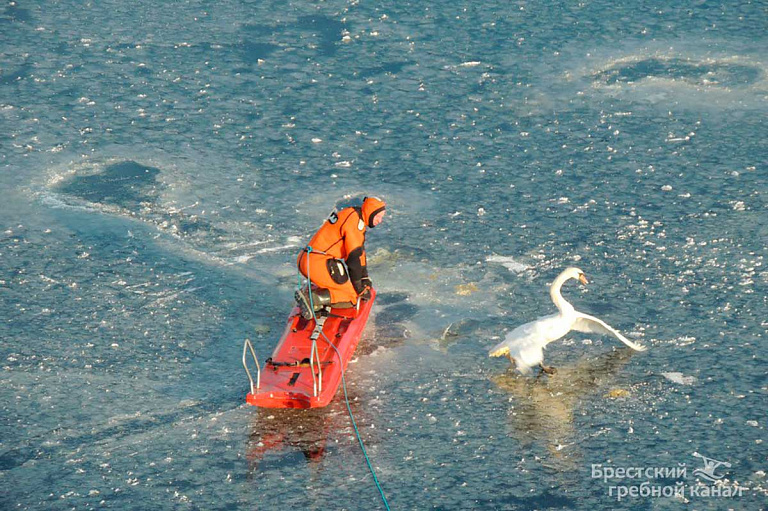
(320, 298)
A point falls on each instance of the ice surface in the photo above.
(161, 167)
(680, 378)
(508, 262)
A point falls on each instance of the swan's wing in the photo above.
(590, 324)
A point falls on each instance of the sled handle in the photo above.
(314, 356)
(246, 347)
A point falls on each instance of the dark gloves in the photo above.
(367, 285)
(362, 284)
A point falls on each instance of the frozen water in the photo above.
(679, 378)
(508, 263)
(162, 164)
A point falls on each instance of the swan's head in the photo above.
(575, 273)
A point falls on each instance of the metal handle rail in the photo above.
(248, 346)
(317, 380)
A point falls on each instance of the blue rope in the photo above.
(344, 386)
(354, 425)
(309, 286)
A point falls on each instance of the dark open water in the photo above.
(161, 163)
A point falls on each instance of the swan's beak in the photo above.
(583, 279)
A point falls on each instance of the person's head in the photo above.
(373, 211)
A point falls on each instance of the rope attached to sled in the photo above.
(343, 383)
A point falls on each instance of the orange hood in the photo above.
(371, 206)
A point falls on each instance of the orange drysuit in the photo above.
(337, 260)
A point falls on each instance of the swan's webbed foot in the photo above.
(547, 369)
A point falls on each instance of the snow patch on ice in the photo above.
(679, 378)
(508, 263)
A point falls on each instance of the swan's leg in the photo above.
(511, 360)
(547, 369)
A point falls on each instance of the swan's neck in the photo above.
(561, 303)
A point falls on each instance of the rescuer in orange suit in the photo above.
(335, 259)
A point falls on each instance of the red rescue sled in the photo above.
(304, 371)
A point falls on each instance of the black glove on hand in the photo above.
(365, 294)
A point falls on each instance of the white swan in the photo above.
(525, 344)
